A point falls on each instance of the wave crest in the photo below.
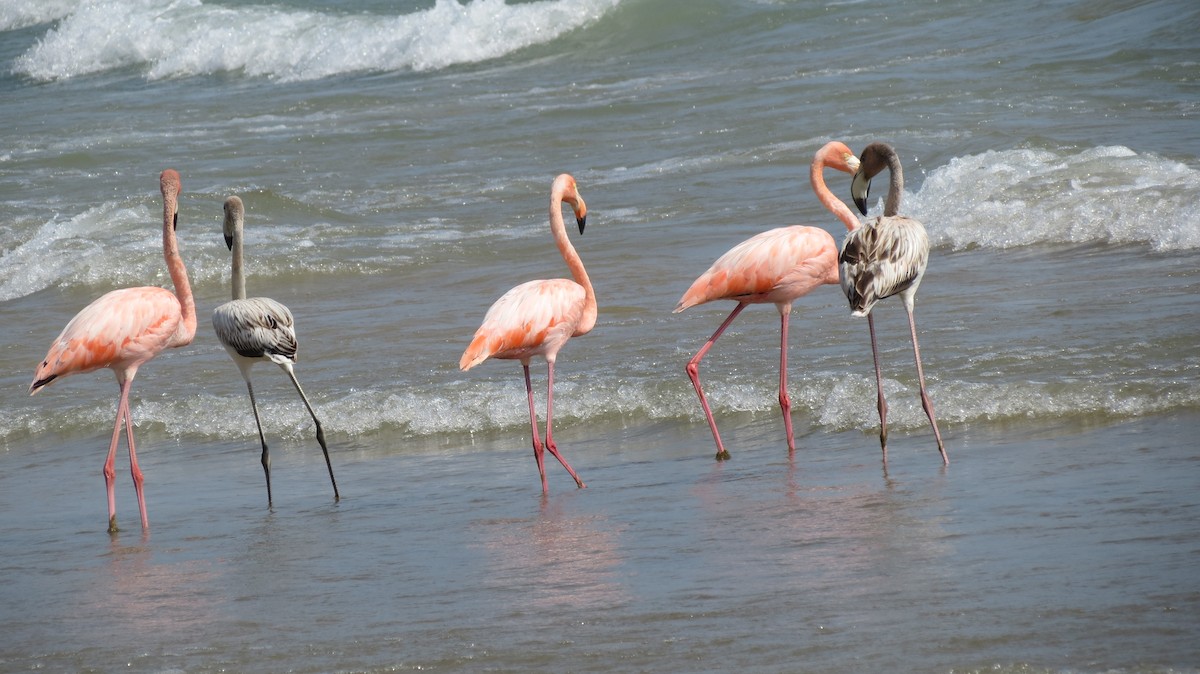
(1011, 198)
(188, 38)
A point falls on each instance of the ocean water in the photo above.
(395, 160)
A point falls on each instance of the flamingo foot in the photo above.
(112, 525)
(723, 455)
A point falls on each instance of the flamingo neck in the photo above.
(891, 206)
(816, 176)
(238, 277)
(183, 289)
(559, 230)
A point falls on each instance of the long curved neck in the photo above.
(891, 206)
(559, 230)
(238, 277)
(183, 289)
(816, 175)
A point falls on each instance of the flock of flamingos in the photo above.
(879, 258)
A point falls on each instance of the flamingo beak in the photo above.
(860, 188)
(229, 241)
(580, 209)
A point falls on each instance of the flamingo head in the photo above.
(170, 185)
(837, 155)
(873, 160)
(566, 190)
(234, 214)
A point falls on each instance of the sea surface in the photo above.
(395, 160)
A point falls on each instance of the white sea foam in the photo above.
(284, 44)
(832, 403)
(1019, 197)
(71, 248)
(19, 14)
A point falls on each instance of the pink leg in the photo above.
(693, 372)
(550, 446)
(882, 404)
(134, 469)
(785, 403)
(110, 473)
(537, 441)
(926, 402)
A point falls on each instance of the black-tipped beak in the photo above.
(860, 189)
(175, 222)
(229, 241)
(581, 222)
(41, 383)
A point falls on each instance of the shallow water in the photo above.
(1057, 547)
(395, 158)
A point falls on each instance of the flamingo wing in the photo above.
(883, 258)
(534, 318)
(775, 265)
(120, 329)
(258, 327)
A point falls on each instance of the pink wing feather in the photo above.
(776, 265)
(534, 318)
(121, 329)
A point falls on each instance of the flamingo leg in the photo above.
(110, 473)
(550, 446)
(134, 470)
(266, 453)
(693, 372)
(538, 449)
(881, 404)
(320, 433)
(926, 402)
(785, 403)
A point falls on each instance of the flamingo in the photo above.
(121, 330)
(777, 266)
(259, 329)
(537, 318)
(884, 257)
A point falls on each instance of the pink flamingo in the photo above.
(777, 266)
(122, 330)
(885, 257)
(537, 318)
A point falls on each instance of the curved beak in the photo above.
(580, 209)
(860, 188)
(229, 241)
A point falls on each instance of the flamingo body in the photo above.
(777, 266)
(258, 329)
(537, 318)
(886, 256)
(882, 259)
(122, 330)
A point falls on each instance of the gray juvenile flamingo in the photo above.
(259, 329)
(777, 266)
(537, 318)
(123, 329)
(886, 256)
